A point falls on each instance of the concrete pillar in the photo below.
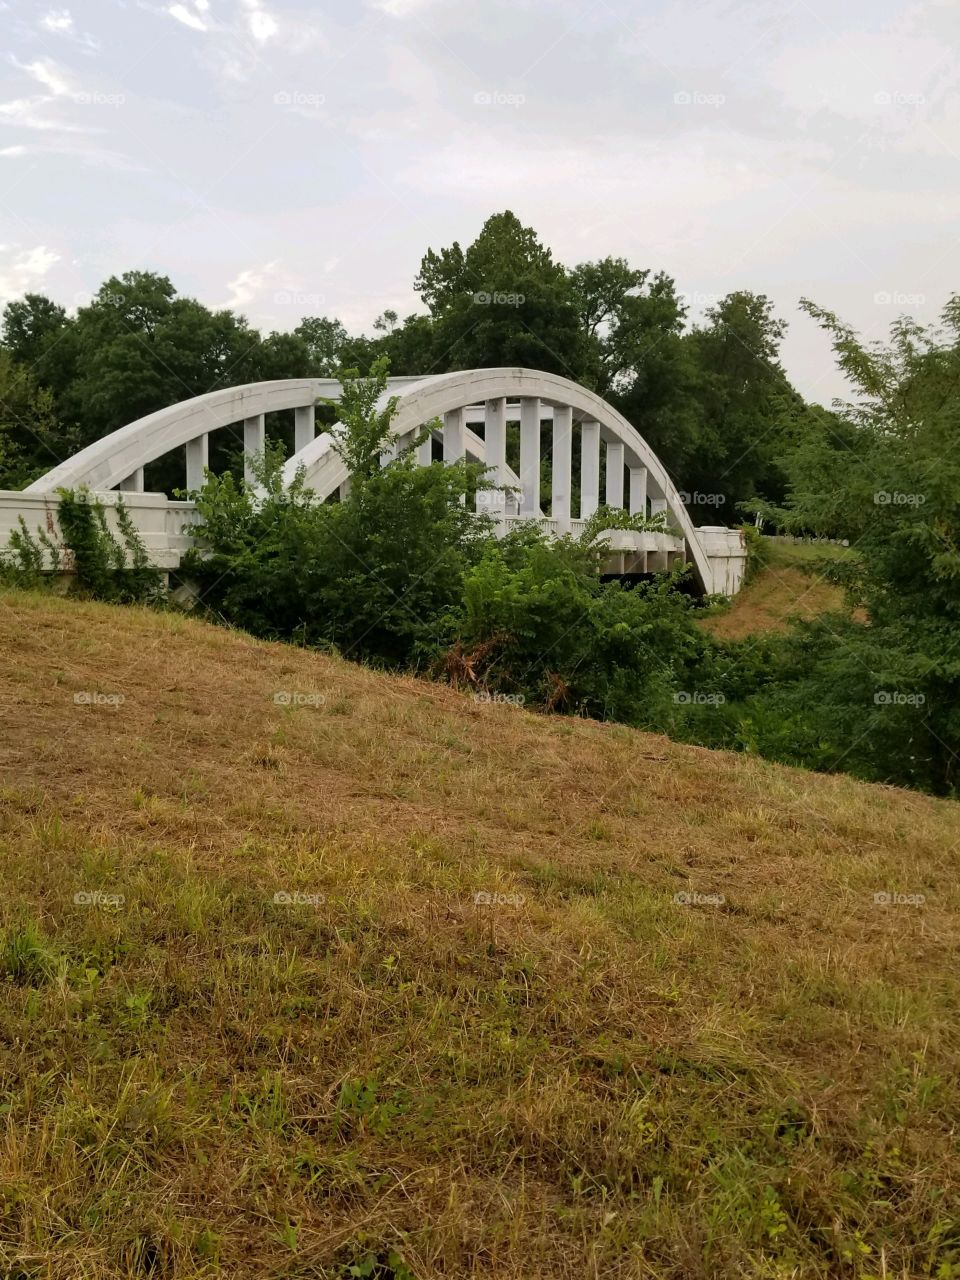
(454, 448)
(132, 483)
(304, 426)
(638, 491)
(657, 506)
(562, 464)
(198, 457)
(254, 442)
(495, 435)
(530, 457)
(589, 468)
(425, 450)
(614, 474)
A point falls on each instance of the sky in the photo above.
(298, 159)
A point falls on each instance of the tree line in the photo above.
(712, 399)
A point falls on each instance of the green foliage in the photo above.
(372, 575)
(713, 401)
(30, 441)
(106, 565)
(537, 624)
(24, 561)
(889, 482)
(27, 958)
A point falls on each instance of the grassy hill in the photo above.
(286, 1040)
(790, 584)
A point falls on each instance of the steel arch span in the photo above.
(634, 477)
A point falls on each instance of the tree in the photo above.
(890, 483)
(30, 439)
(626, 316)
(501, 302)
(749, 415)
(325, 340)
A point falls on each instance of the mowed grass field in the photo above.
(790, 584)
(254, 1022)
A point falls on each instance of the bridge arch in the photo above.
(459, 400)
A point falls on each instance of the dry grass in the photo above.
(593, 1081)
(790, 585)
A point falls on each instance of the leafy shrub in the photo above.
(106, 566)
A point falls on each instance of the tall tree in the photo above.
(502, 301)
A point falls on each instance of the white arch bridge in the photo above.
(474, 408)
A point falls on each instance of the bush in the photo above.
(373, 575)
(536, 623)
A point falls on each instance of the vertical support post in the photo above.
(425, 449)
(254, 442)
(614, 496)
(658, 506)
(495, 439)
(562, 464)
(198, 459)
(454, 448)
(133, 483)
(304, 426)
(589, 468)
(530, 457)
(638, 491)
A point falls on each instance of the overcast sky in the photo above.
(288, 159)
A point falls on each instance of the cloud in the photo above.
(10, 152)
(26, 112)
(399, 8)
(24, 269)
(59, 21)
(245, 287)
(263, 25)
(48, 74)
(190, 17)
